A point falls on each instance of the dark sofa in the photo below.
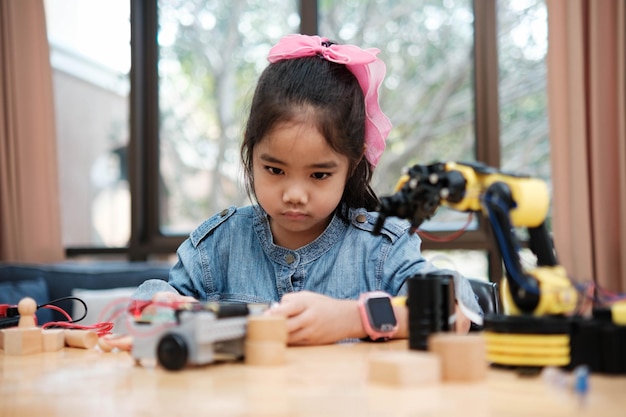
(49, 282)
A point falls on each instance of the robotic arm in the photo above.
(507, 201)
(540, 325)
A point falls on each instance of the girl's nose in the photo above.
(295, 193)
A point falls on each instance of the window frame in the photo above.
(146, 240)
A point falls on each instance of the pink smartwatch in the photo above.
(377, 315)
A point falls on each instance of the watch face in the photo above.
(381, 313)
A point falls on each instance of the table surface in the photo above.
(315, 381)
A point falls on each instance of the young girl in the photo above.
(314, 135)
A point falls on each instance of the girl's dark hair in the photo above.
(287, 89)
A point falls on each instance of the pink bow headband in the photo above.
(366, 67)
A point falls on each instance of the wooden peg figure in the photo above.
(26, 338)
(27, 308)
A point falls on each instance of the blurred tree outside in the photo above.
(523, 43)
(212, 52)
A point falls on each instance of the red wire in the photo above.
(450, 237)
(100, 328)
(59, 309)
(119, 307)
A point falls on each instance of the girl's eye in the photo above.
(274, 170)
(320, 175)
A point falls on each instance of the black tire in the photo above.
(172, 352)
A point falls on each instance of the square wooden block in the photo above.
(53, 339)
(400, 368)
(22, 341)
(463, 357)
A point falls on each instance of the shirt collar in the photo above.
(308, 253)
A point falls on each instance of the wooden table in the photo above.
(316, 381)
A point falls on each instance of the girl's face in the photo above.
(298, 180)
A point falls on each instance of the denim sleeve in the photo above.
(402, 261)
(180, 277)
(405, 260)
(187, 276)
(150, 287)
(464, 293)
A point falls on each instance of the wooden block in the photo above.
(463, 357)
(104, 345)
(400, 368)
(84, 339)
(53, 339)
(264, 353)
(267, 328)
(110, 342)
(22, 341)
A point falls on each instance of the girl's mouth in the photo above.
(294, 215)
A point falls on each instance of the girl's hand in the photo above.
(462, 322)
(316, 319)
(172, 297)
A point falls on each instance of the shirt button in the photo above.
(223, 212)
(290, 258)
(361, 218)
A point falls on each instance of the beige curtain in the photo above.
(586, 83)
(29, 207)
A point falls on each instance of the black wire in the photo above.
(55, 302)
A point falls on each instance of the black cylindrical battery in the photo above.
(431, 304)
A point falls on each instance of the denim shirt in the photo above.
(232, 257)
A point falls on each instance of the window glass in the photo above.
(428, 91)
(90, 58)
(522, 48)
(210, 56)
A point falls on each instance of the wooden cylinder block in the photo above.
(265, 353)
(267, 328)
(84, 339)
